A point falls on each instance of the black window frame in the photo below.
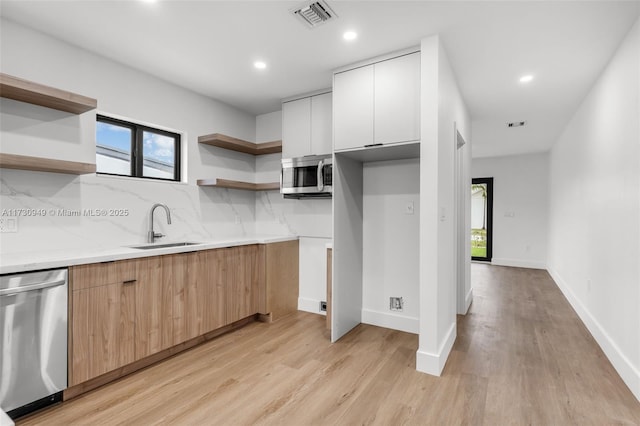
(137, 162)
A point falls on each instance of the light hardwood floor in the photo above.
(522, 356)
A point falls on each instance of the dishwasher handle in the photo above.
(39, 286)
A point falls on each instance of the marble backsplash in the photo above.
(57, 211)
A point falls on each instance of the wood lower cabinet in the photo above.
(103, 300)
(278, 293)
(153, 308)
(122, 312)
(206, 304)
(175, 272)
(241, 282)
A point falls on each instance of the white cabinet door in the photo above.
(321, 124)
(296, 128)
(397, 99)
(353, 108)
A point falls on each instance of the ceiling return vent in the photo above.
(516, 124)
(314, 13)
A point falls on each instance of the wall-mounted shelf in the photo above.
(234, 184)
(234, 144)
(38, 94)
(38, 164)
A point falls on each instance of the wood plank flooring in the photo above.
(522, 356)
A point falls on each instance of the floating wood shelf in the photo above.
(234, 184)
(234, 144)
(37, 164)
(39, 94)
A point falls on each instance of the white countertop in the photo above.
(33, 261)
(5, 420)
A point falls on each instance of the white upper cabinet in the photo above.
(306, 126)
(397, 100)
(353, 108)
(321, 130)
(377, 103)
(296, 128)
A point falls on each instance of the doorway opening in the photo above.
(482, 219)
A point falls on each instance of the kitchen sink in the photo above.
(159, 246)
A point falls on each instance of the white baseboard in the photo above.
(310, 305)
(467, 300)
(393, 321)
(627, 371)
(431, 363)
(519, 263)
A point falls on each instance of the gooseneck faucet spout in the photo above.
(152, 235)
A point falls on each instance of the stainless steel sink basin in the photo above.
(159, 246)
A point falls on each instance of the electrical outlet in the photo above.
(323, 306)
(237, 219)
(8, 224)
(396, 304)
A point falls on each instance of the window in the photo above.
(130, 149)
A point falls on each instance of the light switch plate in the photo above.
(409, 209)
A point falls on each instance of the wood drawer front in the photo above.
(99, 274)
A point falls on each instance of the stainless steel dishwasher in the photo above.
(33, 338)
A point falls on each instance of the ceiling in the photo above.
(210, 46)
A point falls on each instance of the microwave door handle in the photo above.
(320, 177)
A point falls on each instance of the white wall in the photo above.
(442, 110)
(391, 243)
(313, 274)
(594, 212)
(520, 207)
(31, 130)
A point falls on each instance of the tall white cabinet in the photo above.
(353, 108)
(376, 108)
(306, 125)
(397, 100)
(377, 103)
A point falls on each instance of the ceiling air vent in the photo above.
(516, 124)
(314, 13)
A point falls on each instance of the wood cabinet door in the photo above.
(321, 129)
(397, 99)
(353, 108)
(296, 128)
(215, 289)
(177, 270)
(204, 293)
(241, 282)
(154, 308)
(282, 277)
(102, 330)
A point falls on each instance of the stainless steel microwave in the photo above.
(307, 177)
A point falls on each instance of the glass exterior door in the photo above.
(481, 219)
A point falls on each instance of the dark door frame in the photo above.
(489, 182)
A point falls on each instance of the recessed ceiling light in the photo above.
(526, 78)
(260, 65)
(350, 35)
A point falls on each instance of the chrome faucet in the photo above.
(151, 235)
